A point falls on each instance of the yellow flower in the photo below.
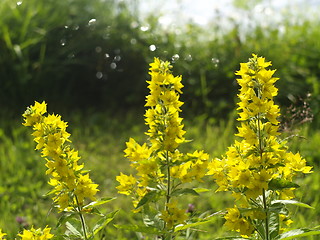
(173, 216)
(233, 214)
(33, 113)
(247, 133)
(262, 178)
(160, 67)
(235, 222)
(36, 234)
(297, 163)
(2, 234)
(85, 188)
(147, 167)
(286, 193)
(250, 164)
(67, 176)
(136, 152)
(127, 183)
(245, 178)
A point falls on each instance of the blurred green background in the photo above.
(95, 54)
(88, 59)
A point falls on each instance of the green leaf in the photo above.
(183, 191)
(73, 228)
(137, 228)
(99, 202)
(201, 222)
(50, 192)
(278, 208)
(104, 222)
(201, 190)
(186, 226)
(65, 217)
(291, 202)
(151, 217)
(250, 152)
(279, 183)
(296, 233)
(6, 36)
(274, 225)
(147, 198)
(232, 238)
(93, 211)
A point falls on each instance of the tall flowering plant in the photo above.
(162, 171)
(74, 193)
(258, 169)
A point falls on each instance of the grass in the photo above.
(100, 140)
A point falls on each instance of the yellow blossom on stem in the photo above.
(34, 113)
(161, 169)
(127, 184)
(172, 215)
(67, 177)
(235, 221)
(257, 168)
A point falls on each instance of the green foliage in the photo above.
(297, 233)
(22, 182)
(100, 140)
(93, 54)
(55, 48)
(279, 183)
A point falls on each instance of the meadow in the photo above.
(89, 61)
(101, 141)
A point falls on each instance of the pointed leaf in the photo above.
(232, 238)
(98, 202)
(278, 208)
(296, 233)
(200, 190)
(183, 191)
(292, 202)
(92, 211)
(274, 225)
(186, 226)
(73, 229)
(279, 183)
(64, 218)
(137, 228)
(50, 192)
(147, 198)
(104, 222)
(200, 222)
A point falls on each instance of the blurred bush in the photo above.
(72, 53)
(80, 54)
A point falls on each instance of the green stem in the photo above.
(263, 190)
(267, 213)
(168, 187)
(169, 179)
(83, 224)
(260, 138)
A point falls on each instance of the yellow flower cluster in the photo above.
(71, 184)
(173, 215)
(194, 169)
(235, 221)
(165, 127)
(159, 162)
(36, 234)
(260, 158)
